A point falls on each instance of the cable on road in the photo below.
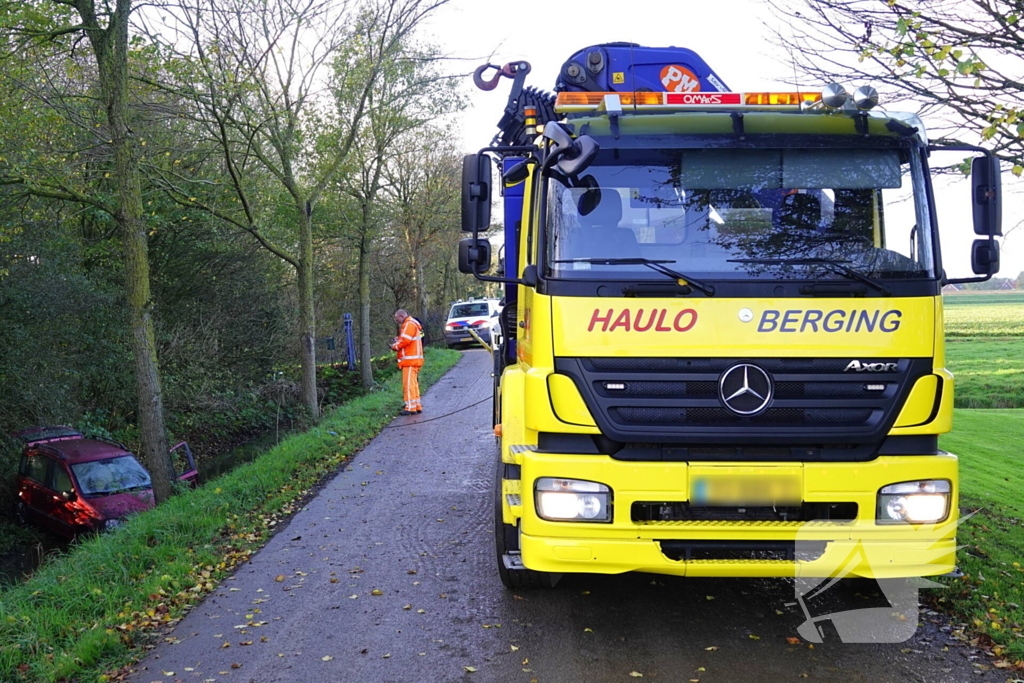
(420, 422)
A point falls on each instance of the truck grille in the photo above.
(676, 400)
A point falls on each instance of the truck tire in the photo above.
(506, 539)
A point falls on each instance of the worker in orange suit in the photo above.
(409, 345)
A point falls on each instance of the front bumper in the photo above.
(857, 548)
(462, 336)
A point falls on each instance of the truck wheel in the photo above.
(506, 541)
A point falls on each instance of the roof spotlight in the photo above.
(834, 96)
(865, 97)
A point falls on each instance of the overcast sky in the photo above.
(730, 35)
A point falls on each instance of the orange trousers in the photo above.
(411, 388)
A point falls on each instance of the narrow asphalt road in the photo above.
(389, 575)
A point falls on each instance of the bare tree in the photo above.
(258, 75)
(960, 58)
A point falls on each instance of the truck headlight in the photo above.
(573, 500)
(916, 502)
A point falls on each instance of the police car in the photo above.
(474, 314)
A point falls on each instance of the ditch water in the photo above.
(18, 565)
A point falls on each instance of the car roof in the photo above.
(84, 450)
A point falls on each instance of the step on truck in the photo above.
(723, 339)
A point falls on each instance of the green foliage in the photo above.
(82, 613)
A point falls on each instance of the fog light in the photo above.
(915, 502)
(834, 96)
(572, 500)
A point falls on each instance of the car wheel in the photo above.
(506, 542)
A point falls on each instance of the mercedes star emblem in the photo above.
(745, 389)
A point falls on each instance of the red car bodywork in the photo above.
(69, 484)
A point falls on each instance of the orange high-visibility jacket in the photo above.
(410, 344)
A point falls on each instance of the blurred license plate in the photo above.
(765, 487)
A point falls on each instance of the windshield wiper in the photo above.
(657, 266)
(838, 265)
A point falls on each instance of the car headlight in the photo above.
(914, 502)
(573, 500)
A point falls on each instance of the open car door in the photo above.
(185, 464)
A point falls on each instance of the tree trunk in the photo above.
(365, 352)
(307, 317)
(111, 49)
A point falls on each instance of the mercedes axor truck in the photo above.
(723, 336)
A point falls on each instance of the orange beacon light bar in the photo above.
(570, 102)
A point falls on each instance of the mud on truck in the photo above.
(723, 347)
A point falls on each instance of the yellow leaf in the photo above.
(754, 637)
(279, 578)
(326, 658)
(376, 591)
(588, 630)
(701, 668)
(711, 648)
(470, 669)
(636, 674)
(709, 597)
(514, 647)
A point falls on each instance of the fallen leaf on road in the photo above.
(636, 674)
(421, 611)
(334, 580)
(588, 630)
(709, 597)
(279, 578)
(236, 665)
(711, 648)
(376, 591)
(246, 642)
(754, 637)
(514, 647)
(168, 673)
(470, 669)
(793, 640)
(326, 658)
(406, 606)
(386, 656)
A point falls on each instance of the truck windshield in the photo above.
(756, 213)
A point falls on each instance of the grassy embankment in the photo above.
(985, 349)
(83, 613)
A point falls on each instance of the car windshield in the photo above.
(113, 475)
(756, 213)
(467, 310)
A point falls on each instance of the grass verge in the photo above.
(989, 372)
(990, 595)
(83, 613)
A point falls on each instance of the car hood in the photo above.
(119, 505)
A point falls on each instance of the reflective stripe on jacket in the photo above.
(409, 344)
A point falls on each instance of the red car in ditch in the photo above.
(69, 484)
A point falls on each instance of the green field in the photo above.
(985, 348)
(985, 352)
(990, 596)
(984, 314)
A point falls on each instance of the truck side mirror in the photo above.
(474, 256)
(571, 157)
(985, 257)
(476, 192)
(985, 191)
